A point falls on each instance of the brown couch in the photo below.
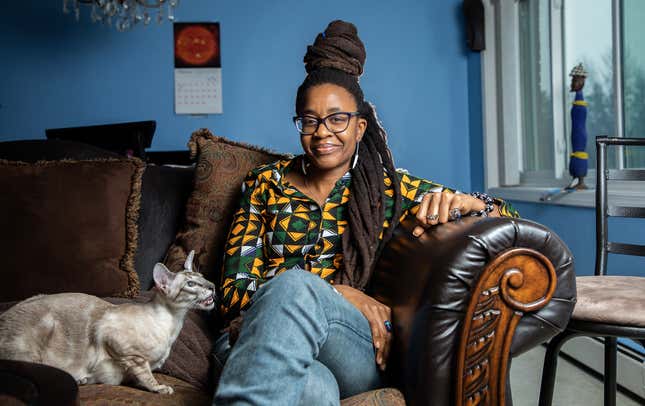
(466, 298)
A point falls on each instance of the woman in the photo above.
(304, 242)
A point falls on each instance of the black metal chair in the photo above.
(601, 297)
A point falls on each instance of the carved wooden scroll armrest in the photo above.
(518, 281)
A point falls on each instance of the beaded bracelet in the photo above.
(490, 204)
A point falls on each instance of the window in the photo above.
(532, 45)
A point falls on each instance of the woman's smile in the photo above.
(326, 148)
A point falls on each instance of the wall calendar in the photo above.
(198, 68)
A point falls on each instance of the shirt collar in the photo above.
(284, 167)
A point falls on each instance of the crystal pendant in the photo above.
(126, 13)
(111, 8)
(171, 12)
(95, 15)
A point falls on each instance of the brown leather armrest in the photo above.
(503, 279)
(36, 384)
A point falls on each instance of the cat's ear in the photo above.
(188, 265)
(163, 277)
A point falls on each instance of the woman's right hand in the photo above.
(376, 314)
(442, 207)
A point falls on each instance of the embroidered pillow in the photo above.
(221, 166)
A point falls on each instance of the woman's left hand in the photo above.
(442, 207)
(376, 314)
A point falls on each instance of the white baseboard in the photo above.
(591, 352)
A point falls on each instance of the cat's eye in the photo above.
(191, 284)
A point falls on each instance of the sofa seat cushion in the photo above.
(221, 166)
(109, 395)
(378, 397)
(611, 299)
(69, 226)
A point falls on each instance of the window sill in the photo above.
(619, 195)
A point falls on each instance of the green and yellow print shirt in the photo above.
(277, 228)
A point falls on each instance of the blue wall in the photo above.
(56, 72)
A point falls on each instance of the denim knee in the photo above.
(321, 387)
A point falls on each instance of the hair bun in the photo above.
(339, 47)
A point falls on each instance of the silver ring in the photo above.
(432, 217)
(455, 213)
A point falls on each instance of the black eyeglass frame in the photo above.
(323, 120)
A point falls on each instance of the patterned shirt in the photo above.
(277, 228)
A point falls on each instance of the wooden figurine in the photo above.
(578, 159)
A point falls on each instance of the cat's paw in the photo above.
(163, 389)
(82, 381)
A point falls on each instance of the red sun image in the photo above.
(197, 45)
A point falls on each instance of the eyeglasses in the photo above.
(335, 123)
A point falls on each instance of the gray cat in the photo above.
(98, 342)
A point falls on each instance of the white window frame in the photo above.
(502, 108)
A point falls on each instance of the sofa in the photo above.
(466, 297)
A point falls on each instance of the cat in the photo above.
(99, 342)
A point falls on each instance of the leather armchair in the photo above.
(466, 297)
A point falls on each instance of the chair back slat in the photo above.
(605, 210)
(625, 211)
(626, 174)
(626, 249)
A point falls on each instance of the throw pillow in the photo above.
(221, 166)
(69, 226)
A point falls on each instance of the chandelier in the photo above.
(125, 13)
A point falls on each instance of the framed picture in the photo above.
(197, 45)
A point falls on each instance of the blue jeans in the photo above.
(300, 343)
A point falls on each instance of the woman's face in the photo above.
(328, 151)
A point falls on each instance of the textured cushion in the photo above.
(221, 167)
(69, 226)
(611, 299)
(379, 397)
(108, 395)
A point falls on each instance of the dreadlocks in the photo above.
(337, 57)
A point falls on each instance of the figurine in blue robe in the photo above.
(578, 159)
